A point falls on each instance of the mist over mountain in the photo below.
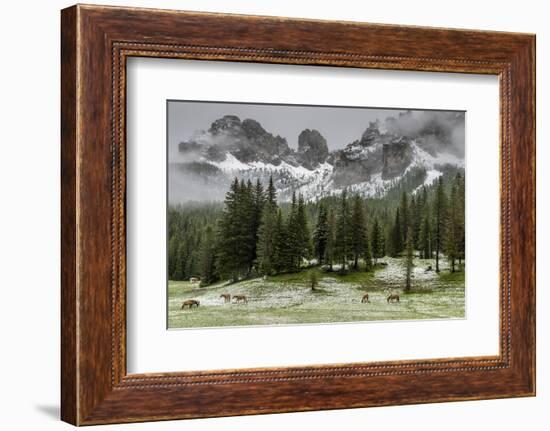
(414, 143)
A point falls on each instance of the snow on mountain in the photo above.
(310, 182)
(371, 166)
(431, 176)
(230, 165)
(423, 158)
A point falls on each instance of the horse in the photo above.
(240, 298)
(393, 297)
(365, 298)
(226, 297)
(190, 303)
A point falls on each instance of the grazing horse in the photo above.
(393, 297)
(190, 303)
(226, 297)
(365, 298)
(240, 298)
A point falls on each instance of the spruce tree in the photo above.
(425, 239)
(281, 258)
(409, 263)
(292, 230)
(271, 193)
(367, 255)
(330, 249)
(266, 233)
(405, 218)
(257, 209)
(453, 238)
(397, 235)
(179, 264)
(343, 232)
(320, 235)
(233, 249)
(173, 246)
(377, 241)
(303, 250)
(440, 218)
(358, 231)
(417, 219)
(247, 211)
(461, 216)
(190, 269)
(207, 258)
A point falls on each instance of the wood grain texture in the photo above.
(69, 397)
(96, 41)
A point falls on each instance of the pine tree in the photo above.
(405, 218)
(440, 217)
(454, 235)
(303, 250)
(330, 250)
(320, 235)
(367, 255)
(461, 216)
(417, 211)
(266, 233)
(425, 239)
(359, 238)
(173, 246)
(207, 258)
(179, 264)
(343, 232)
(248, 231)
(234, 253)
(271, 193)
(190, 269)
(396, 235)
(281, 258)
(292, 229)
(257, 208)
(377, 241)
(409, 263)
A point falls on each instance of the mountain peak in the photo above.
(312, 148)
(228, 123)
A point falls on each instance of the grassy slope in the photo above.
(288, 299)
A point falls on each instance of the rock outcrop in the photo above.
(312, 149)
(396, 157)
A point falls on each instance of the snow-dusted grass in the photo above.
(288, 298)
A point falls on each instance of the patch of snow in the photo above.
(431, 176)
(230, 164)
(356, 151)
(423, 158)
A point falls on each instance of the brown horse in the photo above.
(226, 297)
(190, 303)
(365, 298)
(240, 298)
(393, 297)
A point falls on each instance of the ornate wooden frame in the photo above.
(95, 43)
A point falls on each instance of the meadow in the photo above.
(289, 299)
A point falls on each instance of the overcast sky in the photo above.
(339, 126)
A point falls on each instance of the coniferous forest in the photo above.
(251, 234)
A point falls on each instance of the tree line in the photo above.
(435, 224)
(253, 234)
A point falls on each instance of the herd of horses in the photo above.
(392, 297)
(226, 297)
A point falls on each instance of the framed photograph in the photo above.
(267, 215)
